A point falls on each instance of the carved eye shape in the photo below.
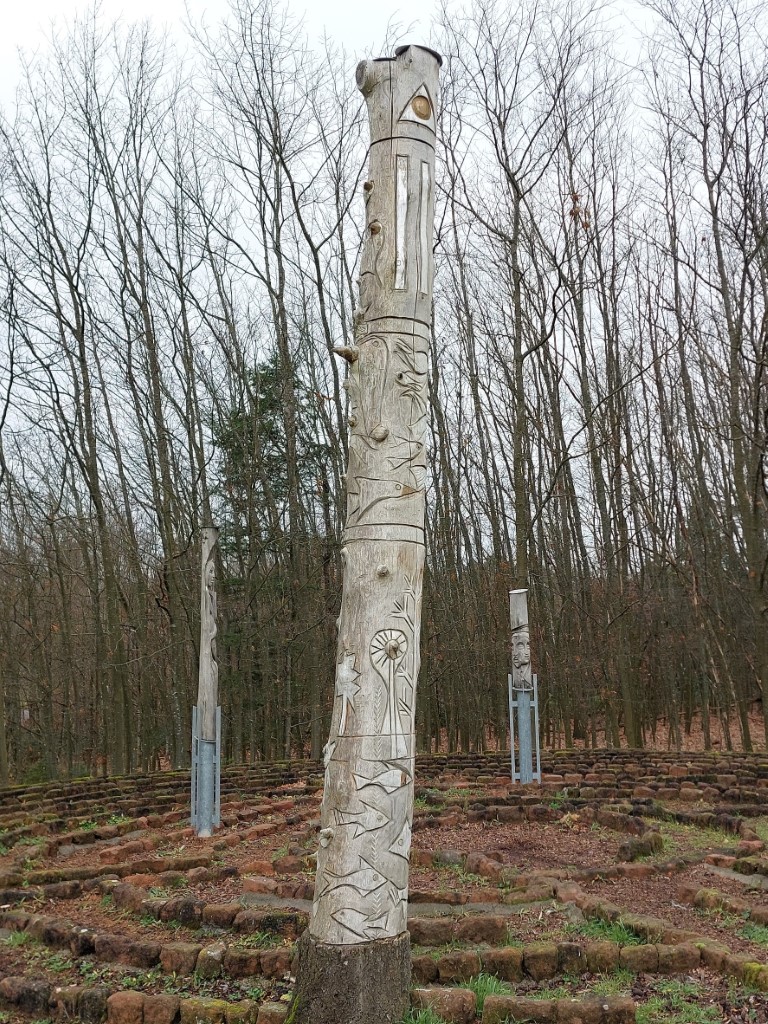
(421, 107)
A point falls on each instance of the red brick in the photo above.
(257, 867)
(242, 963)
(588, 1010)
(256, 883)
(482, 928)
(276, 963)
(457, 966)
(179, 957)
(502, 1009)
(506, 963)
(430, 931)
(453, 1005)
(540, 960)
(161, 1009)
(272, 1013)
(125, 1008)
(486, 867)
(639, 958)
(424, 969)
(221, 914)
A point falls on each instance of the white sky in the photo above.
(359, 26)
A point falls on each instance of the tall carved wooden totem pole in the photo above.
(354, 960)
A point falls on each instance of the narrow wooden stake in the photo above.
(522, 682)
(354, 961)
(206, 767)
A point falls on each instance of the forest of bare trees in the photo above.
(179, 235)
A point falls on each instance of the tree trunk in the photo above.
(354, 965)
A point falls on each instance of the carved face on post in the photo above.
(521, 659)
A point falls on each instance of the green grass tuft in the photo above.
(610, 931)
(676, 1002)
(754, 933)
(614, 984)
(422, 1017)
(487, 985)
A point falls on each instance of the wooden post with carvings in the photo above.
(206, 717)
(354, 960)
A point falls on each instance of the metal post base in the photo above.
(206, 779)
(521, 704)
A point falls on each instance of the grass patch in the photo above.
(677, 1002)
(56, 963)
(259, 940)
(754, 933)
(554, 992)
(422, 1017)
(88, 826)
(615, 984)
(679, 837)
(487, 985)
(16, 939)
(118, 819)
(609, 931)
(467, 877)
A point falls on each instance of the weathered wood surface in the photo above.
(361, 889)
(522, 678)
(208, 678)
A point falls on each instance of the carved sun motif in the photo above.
(388, 644)
(346, 687)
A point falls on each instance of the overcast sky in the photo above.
(355, 24)
(358, 25)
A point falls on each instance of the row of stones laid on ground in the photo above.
(621, 816)
(233, 814)
(455, 1006)
(16, 824)
(279, 772)
(724, 791)
(96, 1004)
(193, 868)
(590, 767)
(712, 899)
(538, 961)
(260, 877)
(179, 958)
(459, 1006)
(88, 830)
(658, 934)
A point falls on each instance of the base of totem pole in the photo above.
(367, 983)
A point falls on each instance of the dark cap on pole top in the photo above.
(418, 46)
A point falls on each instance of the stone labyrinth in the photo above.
(623, 888)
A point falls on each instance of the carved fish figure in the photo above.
(402, 845)
(364, 881)
(366, 494)
(368, 820)
(389, 780)
(360, 924)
